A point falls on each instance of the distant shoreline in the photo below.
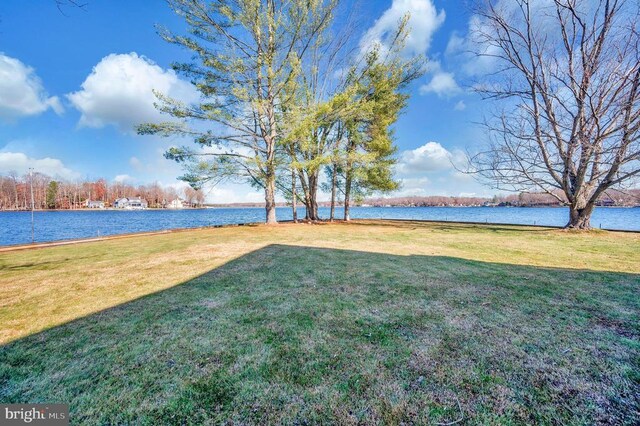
(242, 206)
(110, 209)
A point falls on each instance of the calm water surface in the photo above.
(15, 227)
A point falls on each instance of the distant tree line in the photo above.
(630, 198)
(49, 193)
(618, 198)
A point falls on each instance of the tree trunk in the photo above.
(580, 217)
(15, 190)
(347, 194)
(348, 181)
(334, 181)
(313, 197)
(269, 198)
(294, 210)
(305, 191)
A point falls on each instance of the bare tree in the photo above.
(568, 77)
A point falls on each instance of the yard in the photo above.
(365, 323)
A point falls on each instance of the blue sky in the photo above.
(73, 84)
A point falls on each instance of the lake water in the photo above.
(15, 227)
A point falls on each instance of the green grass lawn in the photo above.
(367, 323)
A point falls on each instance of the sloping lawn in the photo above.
(367, 323)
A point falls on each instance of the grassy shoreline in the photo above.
(44, 244)
(369, 322)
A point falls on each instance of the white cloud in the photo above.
(442, 84)
(119, 92)
(461, 177)
(460, 106)
(177, 185)
(20, 163)
(473, 55)
(221, 194)
(21, 91)
(455, 45)
(424, 21)
(432, 169)
(433, 66)
(429, 157)
(123, 178)
(234, 193)
(411, 187)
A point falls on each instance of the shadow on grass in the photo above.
(300, 335)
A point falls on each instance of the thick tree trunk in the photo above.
(313, 197)
(305, 190)
(334, 182)
(270, 199)
(580, 217)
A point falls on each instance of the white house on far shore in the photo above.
(135, 203)
(176, 204)
(92, 204)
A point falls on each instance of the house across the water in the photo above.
(135, 203)
(92, 204)
(176, 204)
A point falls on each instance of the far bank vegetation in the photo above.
(50, 193)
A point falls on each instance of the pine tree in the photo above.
(52, 194)
(245, 51)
